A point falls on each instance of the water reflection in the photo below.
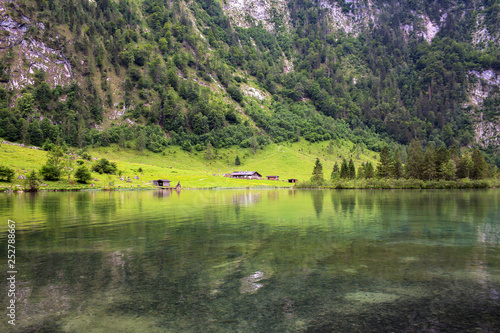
(257, 261)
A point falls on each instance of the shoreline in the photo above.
(378, 184)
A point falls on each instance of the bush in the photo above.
(86, 156)
(104, 166)
(82, 174)
(50, 172)
(32, 182)
(6, 173)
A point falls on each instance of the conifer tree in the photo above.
(335, 172)
(397, 167)
(317, 174)
(237, 160)
(384, 166)
(369, 170)
(449, 170)
(344, 169)
(464, 166)
(429, 171)
(35, 134)
(352, 169)
(479, 166)
(415, 157)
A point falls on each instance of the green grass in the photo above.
(193, 170)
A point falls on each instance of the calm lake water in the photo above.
(255, 261)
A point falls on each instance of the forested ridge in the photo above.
(153, 73)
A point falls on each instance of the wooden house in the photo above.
(161, 182)
(273, 177)
(293, 180)
(246, 175)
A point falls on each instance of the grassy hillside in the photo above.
(193, 170)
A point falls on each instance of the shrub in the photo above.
(104, 166)
(6, 173)
(82, 174)
(50, 172)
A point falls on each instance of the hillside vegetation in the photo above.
(158, 75)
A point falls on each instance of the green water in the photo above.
(255, 261)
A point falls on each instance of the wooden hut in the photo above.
(293, 180)
(161, 182)
(246, 175)
(273, 177)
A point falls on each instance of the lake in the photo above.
(254, 261)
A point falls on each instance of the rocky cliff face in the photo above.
(365, 14)
(27, 55)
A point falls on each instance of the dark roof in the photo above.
(244, 173)
(163, 180)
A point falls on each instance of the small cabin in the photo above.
(293, 180)
(273, 177)
(246, 175)
(161, 182)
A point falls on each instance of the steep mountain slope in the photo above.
(248, 72)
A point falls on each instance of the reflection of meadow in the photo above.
(199, 260)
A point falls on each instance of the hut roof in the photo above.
(245, 173)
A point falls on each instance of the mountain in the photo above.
(243, 72)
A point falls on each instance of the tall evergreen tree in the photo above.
(237, 160)
(352, 169)
(317, 174)
(369, 172)
(479, 167)
(464, 166)
(384, 166)
(344, 169)
(397, 167)
(335, 172)
(429, 171)
(415, 157)
(35, 134)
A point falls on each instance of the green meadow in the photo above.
(193, 169)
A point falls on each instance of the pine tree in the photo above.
(35, 134)
(335, 172)
(317, 175)
(479, 166)
(429, 171)
(344, 169)
(464, 166)
(352, 169)
(415, 157)
(383, 169)
(449, 170)
(397, 167)
(369, 172)
(237, 160)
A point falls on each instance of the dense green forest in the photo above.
(377, 88)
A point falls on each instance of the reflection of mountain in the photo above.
(247, 199)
